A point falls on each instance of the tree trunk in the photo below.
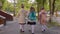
(50, 10)
(43, 3)
(38, 9)
(52, 7)
(14, 7)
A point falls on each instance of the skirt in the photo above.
(31, 23)
(22, 23)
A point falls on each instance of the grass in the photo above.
(52, 24)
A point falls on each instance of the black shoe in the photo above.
(32, 33)
(29, 30)
(43, 30)
(21, 30)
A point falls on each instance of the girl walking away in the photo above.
(32, 18)
(42, 19)
(22, 16)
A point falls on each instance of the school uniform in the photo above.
(21, 18)
(32, 20)
(42, 16)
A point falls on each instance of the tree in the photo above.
(57, 6)
(40, 3)
(2, 2)
(52, 8)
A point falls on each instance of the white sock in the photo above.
(29, 26)
(43, 27)
(20, 26)
(32, 28)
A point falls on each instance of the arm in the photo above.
(18, 14)
(26, 14)
(39, 16)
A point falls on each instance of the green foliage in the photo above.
(51, 24)
(57, 4)
(2, 1)
(10, 6)
(7, 6)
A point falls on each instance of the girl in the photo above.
(22, 16)
(32, 18)
(42, 19)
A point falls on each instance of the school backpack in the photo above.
(32, 15)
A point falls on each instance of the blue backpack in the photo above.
(32, 15)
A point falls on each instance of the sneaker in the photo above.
(29, 30)
(32, 33)
(43, 30)
(21, 30)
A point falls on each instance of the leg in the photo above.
(42, 27)
(32, 28)
(45, 27)
(29, 28)
(21, 28)
(29, 25)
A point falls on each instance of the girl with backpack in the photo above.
(32, 18)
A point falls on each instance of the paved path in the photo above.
(13, 28)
